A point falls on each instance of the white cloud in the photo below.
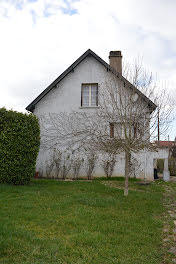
(39, 39)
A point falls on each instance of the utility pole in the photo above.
(158, 126)
(169, 146)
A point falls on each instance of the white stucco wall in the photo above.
(143, 164)
(67, 97)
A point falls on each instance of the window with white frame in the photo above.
(89, 94)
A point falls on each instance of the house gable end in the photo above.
(89, 52)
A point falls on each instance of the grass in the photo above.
(80, 222)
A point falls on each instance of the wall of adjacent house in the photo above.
(146, 158)
(67, 97)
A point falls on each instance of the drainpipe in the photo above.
(145, 166)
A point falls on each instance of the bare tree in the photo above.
(66, 164)
(49, 167)
(57, 157)
(156, 91)
(135, 167)
(90, 164)
(125, 122)
(77, 161)
(108, 164)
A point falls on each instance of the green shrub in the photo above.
(172, 166)
(19, 145)
(160, 165)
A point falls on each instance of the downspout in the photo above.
(145, 164)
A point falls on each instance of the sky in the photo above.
(39, 39)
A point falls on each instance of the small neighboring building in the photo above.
(171, 145)
(166, 144)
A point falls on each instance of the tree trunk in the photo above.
(127, 165)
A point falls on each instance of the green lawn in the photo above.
(80, 222)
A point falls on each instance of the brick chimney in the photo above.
(115, 60)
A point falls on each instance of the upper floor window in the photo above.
(116, 130)
(89, 94)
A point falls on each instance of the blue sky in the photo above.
(65, 6)
(40, 38)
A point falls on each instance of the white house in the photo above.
(77, 89)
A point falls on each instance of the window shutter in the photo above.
(97, 97)
(81, 95)
(111, 130)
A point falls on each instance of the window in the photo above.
(115, 130)
(89, 94)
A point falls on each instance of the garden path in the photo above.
(169, 231)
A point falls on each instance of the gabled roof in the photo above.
(89, 52)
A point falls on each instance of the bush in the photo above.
(172, 166)
(90, 164)
(160, 165)
(19, 145)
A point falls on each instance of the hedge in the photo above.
(19, 146)
(172, 166)
(160, 165)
